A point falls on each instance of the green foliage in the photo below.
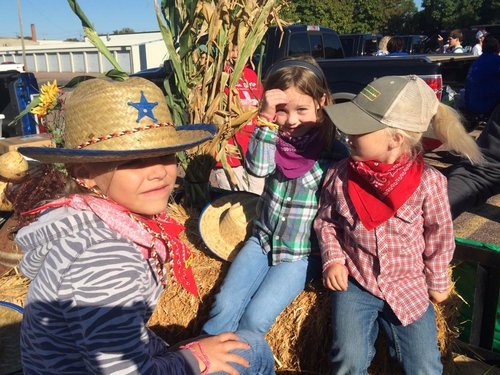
(125, 30)
(392, 16)
(350, 16)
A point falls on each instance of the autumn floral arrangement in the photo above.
(49, 108)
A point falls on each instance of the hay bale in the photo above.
(300, 337)
(10, 253)
(13, 287)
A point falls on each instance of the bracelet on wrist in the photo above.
(199, 354)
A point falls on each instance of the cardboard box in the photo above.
(31, 140)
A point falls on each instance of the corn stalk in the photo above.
(199, 36)
(117, 73)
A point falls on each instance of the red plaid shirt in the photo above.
(402, 258)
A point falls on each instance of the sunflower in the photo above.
(48, 98)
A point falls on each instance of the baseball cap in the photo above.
(481, 34)
(402, 102)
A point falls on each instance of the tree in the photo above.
(125, 30)
(399, 17)
(439, 14)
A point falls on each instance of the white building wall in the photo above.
(133, 52)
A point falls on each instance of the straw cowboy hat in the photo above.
(113, 121)
(226, 223)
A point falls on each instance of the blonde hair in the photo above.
(382, 45)
(307, 82)
(448, 127)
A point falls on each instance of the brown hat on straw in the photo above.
(114, 121)
(226, 223)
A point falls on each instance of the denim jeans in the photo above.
(356, 315)
(254, 293)
(259, 355)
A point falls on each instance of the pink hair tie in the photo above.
(199, 354)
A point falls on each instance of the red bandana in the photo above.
(377, 190)
(156, 237)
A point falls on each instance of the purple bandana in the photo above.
(295, 156)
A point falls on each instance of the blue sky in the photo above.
(54, 19)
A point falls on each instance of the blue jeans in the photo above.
(356, 315)
(259, 355)
(254, 293)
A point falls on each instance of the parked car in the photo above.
(11, 65)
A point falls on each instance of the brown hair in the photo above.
(457, 34)
(395, 44)
(41, 184)
(308, 82)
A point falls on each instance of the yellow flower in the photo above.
(49, 94)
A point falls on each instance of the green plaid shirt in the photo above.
(287, 206)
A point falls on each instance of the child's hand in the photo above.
(271, 99)
(438, 297)
(218, 350)
(335, 277)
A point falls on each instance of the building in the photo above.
(133, 52)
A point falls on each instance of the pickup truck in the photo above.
(346, 76)
(9, 65)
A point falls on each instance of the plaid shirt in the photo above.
(402, 258)
(287, 206)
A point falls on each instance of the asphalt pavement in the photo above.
(62, 78)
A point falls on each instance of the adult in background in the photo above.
(482, 86)
(395, 46)
(477, 50)
(454, 44)
(471, 185)
(382, 46)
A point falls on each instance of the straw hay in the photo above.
(10, 254)
(300, 337)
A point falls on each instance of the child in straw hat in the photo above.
(292, 148)
(384, 225)
(96, 257)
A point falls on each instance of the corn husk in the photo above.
(199, 36)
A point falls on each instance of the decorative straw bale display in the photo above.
(300, 338)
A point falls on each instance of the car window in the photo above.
(316, 45)
(333, 47)
(299, 44)
(348, 45)
(370, 47)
